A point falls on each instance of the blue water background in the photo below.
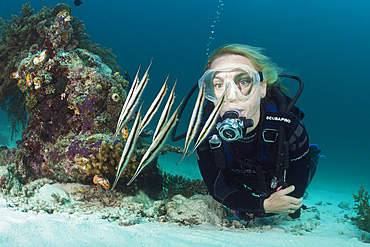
(326, 43)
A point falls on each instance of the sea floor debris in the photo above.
(96, 204)
(44, 196)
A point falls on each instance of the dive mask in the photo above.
(241, 82)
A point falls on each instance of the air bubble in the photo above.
(213, 25)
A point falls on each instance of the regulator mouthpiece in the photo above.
(232, 126)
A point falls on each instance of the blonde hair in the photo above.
(261, 62)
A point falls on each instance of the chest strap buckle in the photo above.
(270, 135)
(215, 142)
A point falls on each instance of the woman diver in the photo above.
(257, 160)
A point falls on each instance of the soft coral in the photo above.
(363, 209)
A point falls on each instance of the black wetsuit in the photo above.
(236, 186)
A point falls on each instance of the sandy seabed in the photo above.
(327, 224)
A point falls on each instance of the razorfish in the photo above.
(129, 148)
(132, 100)
(210, 123)
(194, 121)
(154, 106)
(165, 113)
(156, 145)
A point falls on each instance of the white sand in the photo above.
(325, 227)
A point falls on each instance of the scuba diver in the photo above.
(257, 160)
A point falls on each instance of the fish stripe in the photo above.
(154, 106)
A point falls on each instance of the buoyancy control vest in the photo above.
(274, 122)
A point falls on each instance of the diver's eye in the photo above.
(244, 81)
(217, 83)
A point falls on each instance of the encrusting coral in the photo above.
(174, 185)
(105, 162)
(362, 208)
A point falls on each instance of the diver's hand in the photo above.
(280, 203)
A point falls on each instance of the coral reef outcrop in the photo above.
(34, 41)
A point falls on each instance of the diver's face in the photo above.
(248, 108)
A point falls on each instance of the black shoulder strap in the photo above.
(282, 118)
